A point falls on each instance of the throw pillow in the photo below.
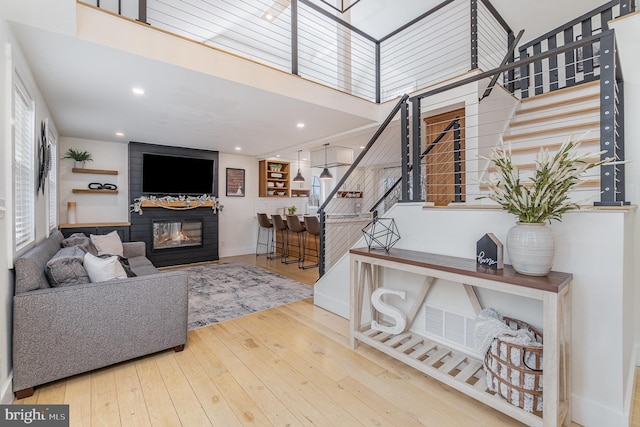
(82, 241)
(103, 269)
(108, 244)
(65, 268)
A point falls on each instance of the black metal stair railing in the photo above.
(611, 123)
(454, 128)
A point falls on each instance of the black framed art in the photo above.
(235, 182)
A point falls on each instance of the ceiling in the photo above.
(86, 87)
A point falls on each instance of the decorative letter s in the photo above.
(394, 313)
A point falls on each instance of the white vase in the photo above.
(530, 247)
(78, 164)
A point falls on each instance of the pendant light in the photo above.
(325, 172)
(298, 177)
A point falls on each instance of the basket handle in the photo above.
(524, 362)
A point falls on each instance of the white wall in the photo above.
(12, 60)
(92, 208)
(237, 223)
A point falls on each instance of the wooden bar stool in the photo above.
(283, 230)
(296, 227)
(312, 225)
(265, 224)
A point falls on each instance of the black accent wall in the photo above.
(142, 225)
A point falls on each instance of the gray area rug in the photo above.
(220, 292)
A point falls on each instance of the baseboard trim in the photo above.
(6, 397)
(592, 414)
(331, 304)
(224, 253)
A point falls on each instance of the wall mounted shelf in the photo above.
(95, 171)
(89, 191)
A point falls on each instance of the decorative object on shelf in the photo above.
(168, 202)
(381, 233)
(543, 198)
(292, 209)
(105, 186)
(325, 174)
(298, 177)
(489, 252)
(44, 155)
(235, 182)
(276, 167)
(71, 213)
(80, 157)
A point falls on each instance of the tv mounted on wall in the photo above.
(175, 175)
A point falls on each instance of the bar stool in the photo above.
(312, 225)
(265, 224)
(281, 227)
(296, 227)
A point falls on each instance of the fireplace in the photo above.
(176, 233)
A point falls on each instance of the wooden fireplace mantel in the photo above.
(150, 204)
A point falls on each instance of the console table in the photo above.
(454, 368)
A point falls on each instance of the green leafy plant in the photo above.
(77, 155)
(544, 196)
(292, 209)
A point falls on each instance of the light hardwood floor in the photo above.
(287, 366)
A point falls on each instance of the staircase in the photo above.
(549, 119)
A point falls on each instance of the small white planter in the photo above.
(530, 247)
(78, 164)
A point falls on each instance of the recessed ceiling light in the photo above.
(138, 90)
(119, 134)
(268, 17)
(300, 125)
(304, 159)
(238, 148)
(362, 147)
(278, 155)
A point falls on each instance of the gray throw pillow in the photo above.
(65, 268)
(82, 241)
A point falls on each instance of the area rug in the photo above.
(220, 292)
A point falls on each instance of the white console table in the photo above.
(456, 369)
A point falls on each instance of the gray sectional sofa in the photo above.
(63, 331)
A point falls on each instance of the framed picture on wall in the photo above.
(235, 182)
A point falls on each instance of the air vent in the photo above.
(449, 327)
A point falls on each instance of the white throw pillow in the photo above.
(108, 244)
(103, 269)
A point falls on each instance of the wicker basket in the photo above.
(518, 376)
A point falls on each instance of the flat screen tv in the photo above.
(175, 175)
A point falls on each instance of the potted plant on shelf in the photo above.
(538, 200)
(80, 157)
(292, 209)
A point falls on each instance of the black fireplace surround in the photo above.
(142, 225)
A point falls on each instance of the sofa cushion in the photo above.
(65, 268)
(82, 241)
(141, 266)
(103, 269)
(108, 244)
(30, 266)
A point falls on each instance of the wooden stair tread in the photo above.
(563, 92)
(550, 147)
(561, 103)
(532, 166)
(588, 110)
(550, 130)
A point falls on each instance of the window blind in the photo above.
(24, 169)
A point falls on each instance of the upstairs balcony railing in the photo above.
(321, 43)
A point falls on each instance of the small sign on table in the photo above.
(489, 252)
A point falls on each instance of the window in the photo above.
(53, 189)
(24, 169)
